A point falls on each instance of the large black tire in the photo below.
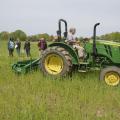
(64, 57)
(111, 75)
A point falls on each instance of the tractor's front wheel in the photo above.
(111, 75)
(56, 61)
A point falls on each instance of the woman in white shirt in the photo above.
(72, 41)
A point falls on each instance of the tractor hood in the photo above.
(109, 49)
(104, 42)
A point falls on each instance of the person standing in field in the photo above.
(42, 45)
(18, 46)
(11, 47)
(27, 48)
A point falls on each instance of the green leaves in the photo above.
(17, 34)
(114, 36)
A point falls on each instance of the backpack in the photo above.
(11, 45)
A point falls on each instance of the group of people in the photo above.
(17, 45)
(42, 45)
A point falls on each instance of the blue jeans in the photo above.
(28, 52)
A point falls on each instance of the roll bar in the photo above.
(59, 29)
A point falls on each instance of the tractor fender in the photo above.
(69, 49)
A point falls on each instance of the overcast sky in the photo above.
(40, 16)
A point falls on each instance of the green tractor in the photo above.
(59, 58)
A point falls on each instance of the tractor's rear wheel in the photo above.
(111, 75)
(56, 61)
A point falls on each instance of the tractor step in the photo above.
(83, 63)
(95, 69)
(83, 71)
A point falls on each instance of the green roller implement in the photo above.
(25, 66)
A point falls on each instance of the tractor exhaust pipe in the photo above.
(94, 40)
(59, 31)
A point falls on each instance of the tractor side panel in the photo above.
(70, 50)
(110, 51)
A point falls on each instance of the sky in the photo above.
(41, 16)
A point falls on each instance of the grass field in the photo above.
(35, 97)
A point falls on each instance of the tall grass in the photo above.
(35, 97)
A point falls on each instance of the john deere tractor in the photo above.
(59, 58)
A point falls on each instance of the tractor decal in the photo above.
(110, 51)
(106, 49)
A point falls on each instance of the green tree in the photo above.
(44, 35)
(32, 38)
(114, 36)
(4, 35)
(19, 34)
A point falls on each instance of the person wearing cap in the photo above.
(42, 45)
(71, 38)
(74, 43)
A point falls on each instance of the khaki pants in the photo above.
(41, 52)
(80, 50)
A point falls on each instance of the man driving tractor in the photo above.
(74, 43)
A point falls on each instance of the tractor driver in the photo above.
(75, 44)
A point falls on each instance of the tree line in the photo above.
(23, 36)
(114, 36)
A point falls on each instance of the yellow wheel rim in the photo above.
(112, 78)
(53, 64)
